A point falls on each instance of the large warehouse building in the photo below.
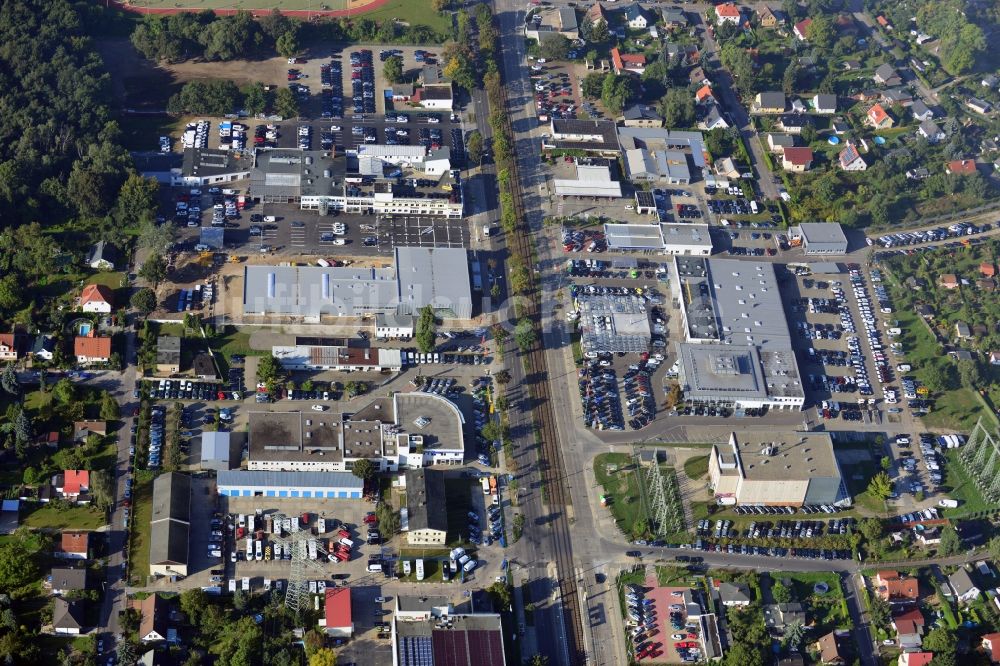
(170, 526)
(683, 239)
(438, 277)
(427, 631)
(737, 351)
(330, 485)
(775, 469)
(342, 357)
(404, 430)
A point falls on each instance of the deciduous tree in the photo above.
(392, 70)
(144, 301)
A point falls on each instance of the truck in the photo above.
(347, 542)
(485, 482)
(754, 208)
(246, 584)
(420, 569)
(948, 503)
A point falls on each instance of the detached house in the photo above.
(915, 659)
(797, 159)
(850, 159)
(641, 115)
(960, 167)
(878, 118)
(67, 617)
(921, 111)
(909, 627)
(766, 16)
(102, 256)
(97, 298)
(801, 29)
(704, 95)
(772, 102)
(153, 625)
(824, 103)
(929, 130)
(72, 483)
(674, 18)
(794, 123)
(67, 579)
(949, 281)
(73, 546)
(627, 62)
(991, 646)
(637, 17)
(830, 649)
(727, 13)
(885, 75)
(8, 347)
(895, 588)
(90, 350)
(596, 15)
(733, 594)
(963, 587)
(712, 119)
(978, 105)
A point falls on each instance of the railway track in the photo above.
(550, 462)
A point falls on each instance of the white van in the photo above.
(270, 218)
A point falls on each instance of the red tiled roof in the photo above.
(75, 480)
(882, 21)
(962, 167)
(802, 27)
(634, 59)
(338, 607)
(74, 542)
(991, 643)
(96, 293)
(918, 658)
(7, 340)
(801, 155)
(728, 10)
(616, 60)
(92, 347)
(703, 93)
(877, 114)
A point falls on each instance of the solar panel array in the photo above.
(416, 651)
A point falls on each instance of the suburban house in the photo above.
(824, 103)
(779, 616)
(962, 587)
(67, 579)
(777, 143)
(988, 269)
(830, 649)
(67, 617)
(898, 589)
(73, 546)
(627, 62)
(641, 115)
(991, 646)
(43, 347)
(909, 627)
(793, 123)
(84, 429)
(712, 119)
(768, 102)
(91, 350)
(704, 95)
(102, 256)
(674, 18)
(929, 536)
(168, 354)
(203, 366)
(850, 159)
(949, 281)
(72, 483)
(596, 15)
(797, 159)
(930, 131)
(727, 12)
(8, 347)
(885, 75)
(921, 111)
(637, 17)
(915, 658)
(97, 298)
(153, 623)
(978, 105)
(878, 118)
(961, 167)
(900, 96)
(733, 594)
(766, 16)
(801, 29)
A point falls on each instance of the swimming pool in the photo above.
(84, 329)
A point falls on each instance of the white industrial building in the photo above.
(329, 485)
(663, 238)
(394, 327)
(660, 155)
(820, 237)
(590, 181)
(337, 357)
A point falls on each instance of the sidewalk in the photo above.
(526, 634)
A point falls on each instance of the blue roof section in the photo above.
(264, 479)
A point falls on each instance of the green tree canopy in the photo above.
(363, 469)
(425, 332)
(392, 70)
(154, 269)
(144, 300)
(286, 104)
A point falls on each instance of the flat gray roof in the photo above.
(215, 446)
(712, 371)
(662, 139)
(774, 455)
(822, 232)
(426, 500)
(209, 162)
(169, 535)
(438, 277)
(629, 330)
(266, 479)
(285, 437)
(633, 236)
(446, 423)
(313, 291)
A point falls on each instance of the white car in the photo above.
(319, 408)
(334, 128)
(339, 228)
(338, 241)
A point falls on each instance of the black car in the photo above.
(633, 553)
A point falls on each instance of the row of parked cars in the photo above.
(956, 230)
(802, 529)
(480, 409)
(639, 397)
(873, 335)
(748, 509)
(642, 611)
(602, 408)
(362, 81)
(179, 389)
(476, 533)
(157, 430)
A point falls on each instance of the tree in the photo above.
(392, 70)
(193, 602)
(492, 431)
(154, 270)
(520, 277)
(9, 380)
(388, 519)
(592, 85)
(314, 640)
(363, 469)
(677, 108)
(994, 547)
(22, 426)
(739, 63)
(269, 371)
(425, 332)
(285, 103)
(616, 91)
(323, 657)
(539, 660)
(144, 300)
(11, 293)
(474, 146)
(137, 198)
(795, 633)
(501, 594)
(254, 98)
(554, 46)
(781, 593)
(499, 334)
(942, 375)
(157, 238)
(880, 486)
(109, 407)
(64, 391)
(870, 528)
(821, 32)
(460, 65)
(886, 463)
(17, 566)
(524, 334)
(502, 377)
(940, 640)
(102, 488)
(879, 611)
(287, 44)
(970, 374)
(441, 5)
(950, 543)
(789, 83)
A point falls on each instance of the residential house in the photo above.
(727, 12)
(988, 269)
(696, 76)
(915, 658)
(919, 173)
(73, 546)
(898, 589)
(72, 483)
(168, 355)
(949, 281)
(772, 102)
(900, 96)
(8, 347)
(909, 628)
(960, 167)
(84, 429)
(979, 331)
(995, 358)
(766, 16)
(793, 123)
(674, 18)
(92, 350)
(97, 298)
(928, 536)
(978, 105)
(777, 143)
(839, 126)
(623, 63)
(962, 587)
(704, 95)
(43, 347)
(67, 617)
(884, 22)
(962, 331)
(153, 623)
(779, 616)
(921, 111)
(988, 285)
(49, 439)
(63, 580)
(852, 65)
(402, 92)
(637, 17)
(727, 167)
(926, 311)
(801, 29)
(797, 159)
(791, 659)
(988, 81)
(878, 118)
(102, 256)
(830, 649)
(713, 119)
(991, 646)
(885, 75)
(824, 103)
(204, 366)
(596, 15)
(733, 594)
(929, 130)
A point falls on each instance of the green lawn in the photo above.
(958, 485)
(828, 610)
(142, 513)
(432, 571)
(621, 488)
(111, 279)
(696, 467)
(231, 341)
(956, 410)
(46, 516)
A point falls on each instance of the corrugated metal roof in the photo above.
(250, 479)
